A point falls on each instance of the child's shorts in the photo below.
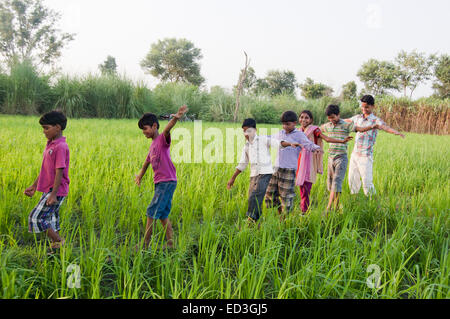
(43, 217)
(161, 203)
(337, 167)
(281, 185)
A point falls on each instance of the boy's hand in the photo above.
(181, 111)
(230, 184)
(138, 179)
(319, 151)
(51, 200)
(30, 191)
(347, 139)
(296, 145)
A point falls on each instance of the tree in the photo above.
(250, 80)
(279, 82)
(379, 76)
(28, 32)
(109, 67)
(442, 74)
(240, 86)
(312, 90)
(175, 61)
(414, 68)
(349, 91)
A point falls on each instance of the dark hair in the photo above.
(368, 99)
(54, 118)
(289, 116)
(148, 119)
(249, 123)
(332, 109)
(309, 114)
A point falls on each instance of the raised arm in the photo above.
(365, 129)
(182, 110)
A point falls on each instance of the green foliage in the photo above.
(280, 82)
(413, 69)
(175, 60)
(404, 230)
(28, 32)
(101, 96)
(312, 90)
(442, 74)
(170, 96)
(379, 77)
(349, 91)
(264, 112)
(221, 106)
(25, 91)
(109, 67)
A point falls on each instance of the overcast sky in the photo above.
(323, 39)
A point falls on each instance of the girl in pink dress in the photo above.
(309, 164)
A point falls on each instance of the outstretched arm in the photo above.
(365, 129)
(182, 110)
(333, 140)
(390, 130)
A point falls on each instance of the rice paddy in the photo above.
(400, 237)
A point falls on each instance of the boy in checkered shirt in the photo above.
(361, 160)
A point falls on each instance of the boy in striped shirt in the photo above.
(337, 153)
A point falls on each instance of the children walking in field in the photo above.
(337, 153)
(164, 177)
(361, 160)
(53, 180)
(281, 189)
(256, 151)
(310, 164)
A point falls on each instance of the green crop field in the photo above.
(402, 233)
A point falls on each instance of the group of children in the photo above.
(299, 160)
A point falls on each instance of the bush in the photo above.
(168, 98)
(102, 96)
(221, 106)
(25, 91)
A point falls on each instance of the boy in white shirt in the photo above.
(256, 152)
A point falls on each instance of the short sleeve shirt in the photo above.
(159, 158)
(339, 131)
(364, 142)
(56, 155)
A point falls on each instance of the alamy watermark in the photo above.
(74, 279)
(374, 280)
(211, 145)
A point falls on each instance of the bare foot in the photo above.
(57, 244)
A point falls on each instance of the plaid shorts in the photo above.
(43, 217)
(282, 185)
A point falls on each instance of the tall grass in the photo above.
(102, 96)
(26, 91)
(404, 230)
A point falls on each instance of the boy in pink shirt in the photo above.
(165, 177)
(53, 180)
